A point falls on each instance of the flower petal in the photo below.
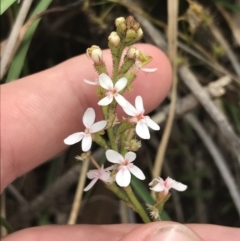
(106, 100)
(114, 157)
(96, 82)
(137, 172)
(86, 143)
(123, 177)
(139, 104)
(121, 84)
(93, 174)
(98, 126)
(105, 176)
(121, 100)
(130, 109)
(179, 186)
(142, 130)
(158, 188)
(130, 156)
(90, 185)
(105, 81)
(89, 117)
(148, 70)
(152, 124)
(74, 138)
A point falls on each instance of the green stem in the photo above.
(100, 141)
(137, 206)
(112, 139)
(6, 225)
(116, 62)
(118, 192)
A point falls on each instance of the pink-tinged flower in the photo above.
(143, 122)
(102, 174)
(91, 127)
(146, 70)
(112, 90)
(125, 168)
(165, 186)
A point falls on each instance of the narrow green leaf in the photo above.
(141, 190)
(19, 58)
(5, 4)
(6, 225)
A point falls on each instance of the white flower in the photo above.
(146, 70)
(143, 122)
(125, 167)
(91, 127)
(112, 90)
(165, 186)
(102, 174)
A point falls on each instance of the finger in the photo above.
(124, 232)
(162, 231)
(73, 233)
(210, 232)
(39, 111)
(170, 231)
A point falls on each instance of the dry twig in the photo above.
(221, 121)
(78, 196)
(190, 102)
(218, 159)
(172, 50)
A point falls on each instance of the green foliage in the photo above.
(5, 4)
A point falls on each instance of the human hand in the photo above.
(39, 111)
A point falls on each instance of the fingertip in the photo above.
(162, 231)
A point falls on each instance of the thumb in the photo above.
(162, 231)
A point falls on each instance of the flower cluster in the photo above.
(115, 135)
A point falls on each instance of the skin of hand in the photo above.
(40, 110)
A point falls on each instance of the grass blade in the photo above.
(5, 4)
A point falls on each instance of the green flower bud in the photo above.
(130, 35)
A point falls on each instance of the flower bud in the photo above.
(114, 38)
(119, 21)
(122, 27)
(130, 22)
(133, 53)
(139, 33)
(133, 145)
(130, 35)
(136, 26)
(95, 53)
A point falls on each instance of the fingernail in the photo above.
(174, 232)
